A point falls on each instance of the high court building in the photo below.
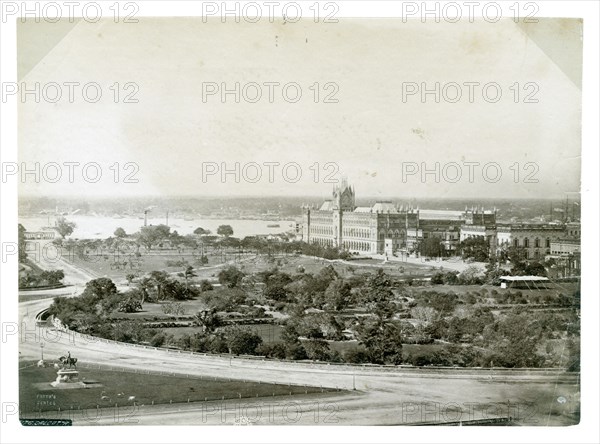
(386, 228)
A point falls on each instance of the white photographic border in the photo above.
(586, 431)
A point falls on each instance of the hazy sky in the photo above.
(369, 133)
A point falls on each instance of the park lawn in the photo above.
(147, 388)
(103, 264)
(152, 310)
(344, 269)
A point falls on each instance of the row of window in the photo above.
(356, 232)
(536, 242)
(321, 230)
(356, 246)
(324, 242)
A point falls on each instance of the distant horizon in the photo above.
(281, 196)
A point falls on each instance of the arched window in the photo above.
(537, 243)
(526, 242)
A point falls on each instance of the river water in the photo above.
(101, 227)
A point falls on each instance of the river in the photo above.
(101, 227)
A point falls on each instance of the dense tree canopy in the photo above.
(225, 230)
(64, 227)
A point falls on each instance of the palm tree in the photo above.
(145, 284)
(130, 277)
(209, 319)
(159, 279)
(187, 274)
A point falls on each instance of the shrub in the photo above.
(158, 339)
(273, 350)
(206, 286)
(129, 305)
(358, 355)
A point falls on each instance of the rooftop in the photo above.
(523, 278)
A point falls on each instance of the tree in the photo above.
(144, 285)
(338, 294)
(476, 248)
(276, 293)
(378, 296)
(120, 233)
(175, 290)
(229, 242)
(383, 340)
(289, 335)
(206, 285)
(471, 275)
(187, 274)
(242, 340)
(208, 319)
(98, 289)
(231, 277)
(424, 314)
(225, 230)
(317, 349)
(129, 305)
(357, 355)
(52, 277)
(159, 280)
(174, 308)
(516, 341)
(153, 234)
(64, 227)
(431, 247)
(158, 339)
(201, 231)
(22, 252)
(535, 269)
(380, 334)
(275, 350)
(130, 277)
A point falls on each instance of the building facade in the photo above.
(530, 241)
(383, 228)
(340, 223)
(386, 228)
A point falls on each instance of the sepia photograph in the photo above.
(299, 214)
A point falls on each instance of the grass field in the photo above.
(101, 264)
(104, 264)
(36, 394)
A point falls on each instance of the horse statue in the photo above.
(64, 360)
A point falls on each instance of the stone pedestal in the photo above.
(66, 377)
